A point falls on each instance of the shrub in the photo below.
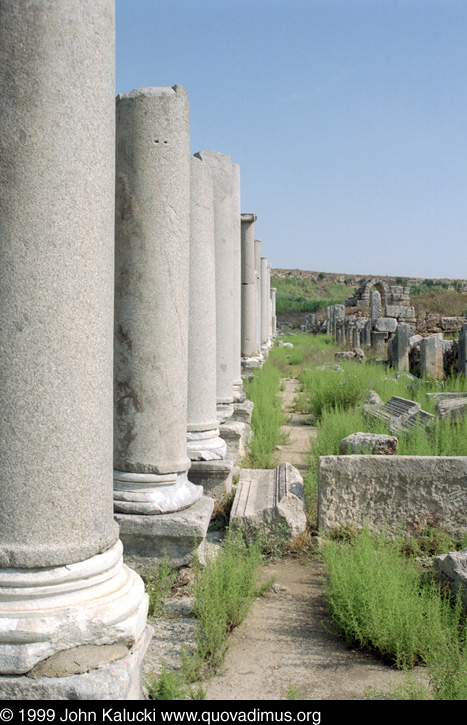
(379, 601)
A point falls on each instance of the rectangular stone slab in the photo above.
(391, 492)
(269, 497)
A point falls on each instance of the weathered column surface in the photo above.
(258, 296)
(431, 356)
(265, 303)
(221, 174)
(248, 290)
(151, 319)
(204, 442)
(62, 579)
(375, 306)
(238, 392)
(462, 352)
(273, 311)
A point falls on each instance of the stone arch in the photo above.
(383, 288)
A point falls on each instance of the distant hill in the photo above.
(357, 279)
(301, 291)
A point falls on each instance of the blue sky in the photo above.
(348, 119)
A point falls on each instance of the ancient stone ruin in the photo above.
(122, 348)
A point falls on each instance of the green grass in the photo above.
(224, 592)
(379, 601)
(304, 295)
(158, 584)
(267, 417)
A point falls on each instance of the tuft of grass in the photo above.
(267, 417)
(159, 582)
(224, 591)
(172, 685)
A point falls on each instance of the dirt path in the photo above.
(299, 431)
(287, 639)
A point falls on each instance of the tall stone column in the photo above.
(431, 356)
(258, 296)
(375, 306)
(265, 302)
(238, 392)
(63, 583)
(204, 443)
(151, 324)
(269, 306)
(248, 298)
(273, 311)
(220, 167)
(462, 352)
(210, 465)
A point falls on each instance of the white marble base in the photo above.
(205, 445)
(116, 680)
(178, 537)
(224, 411)
(150, 493)
(43, 611)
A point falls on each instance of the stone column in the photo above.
(269, 306)
(62, 579)
(151, 325)
(375, 306)
(238, 392)
(264, 304)
(249, 343)
(462, 352)
(431, 356)
(273, 311)
(204, 442)
(220, 167)
(400, 347)
(258, 297)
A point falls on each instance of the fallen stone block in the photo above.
(400, 311)
(454, 567)
(437, 397)
(269, 497)
(400, 413)
(453, 410)
(356, 355)
(371, 443)
(385, 324)
(393, 493)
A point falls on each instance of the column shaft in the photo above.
(62, 579)
(204, 442)
(248, 299)
(151, 302)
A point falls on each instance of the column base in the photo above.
(151, 493)
(236, 434)
(83, 673)
(239, 394)
(205, 446)
(98, 601)
(224, 411)
(178, 536)
(214, 476)
(249, 365)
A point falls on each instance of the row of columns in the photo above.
(258, 298)
(121, 344)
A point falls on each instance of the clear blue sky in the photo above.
(348, 119)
